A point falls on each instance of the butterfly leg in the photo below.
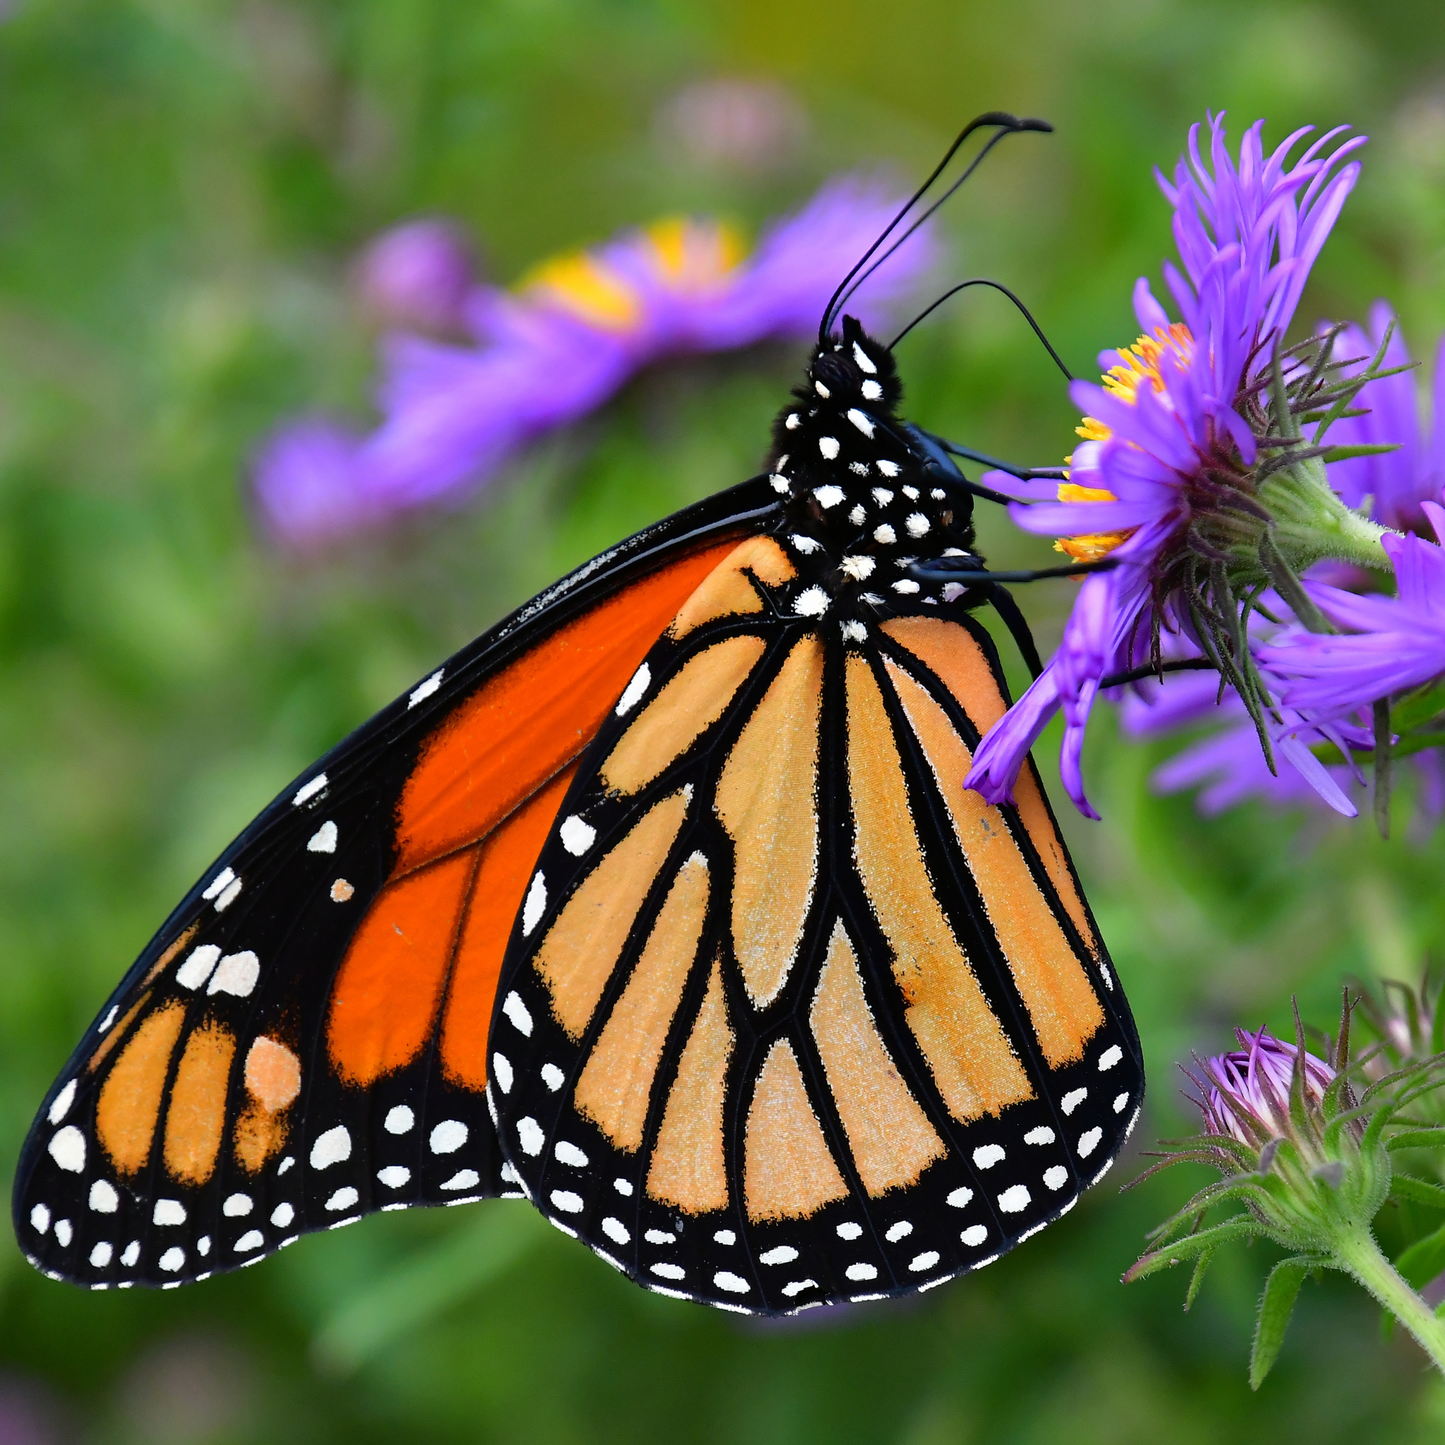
(940, 453)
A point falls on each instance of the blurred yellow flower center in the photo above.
(1137, 364)
(687, 256)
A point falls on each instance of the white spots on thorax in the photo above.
(811, 602)
(100, 1256)
(828, 496)
(854, 632)
(860, 569)
(130, 1254)
(623, 1187)
(344, 1198)
(237, 1206)
(1042, 1135)
(959, 1198)
(724, 1236)
(168, 1211)
(952, 591)
(1089, 1141)
(236, 974)
(1073, 1099)
(60, 1105)
(252, 1240)
(795, 1287)
(108, 1020)
(889, 469)
(859, 469)
(659, 1236)
(174, 1258)
(463, 1179)
(632, 693)
(399, 1120)
(849, 1230)
(863, 361)
(905, 585)
(857, 517)
(566, 1201)
(530, 1136)
(330, 1148)
(342, 891)
(394, 1176)
(64, 1233)
(282, 1215)
(822, 390)
(1014, 1199)
(67, 1148)
(911, 493)
(502, 1071)
(782, 461)
(917, 525)
(40, 1218)
(884, 535)
(861, 1272)
(516, 1012)
(1056, 1177)
(448, 1136)
(577, 836)
(307, 791)
(616, 1230)
(1121, 1102)
(829, 448)
(780, 485)
(938, 494)
(426, 689)
(734, 1284)
(323, 840)
(793, 421)
(806, 545)
(1110, 1057)
(987, 1155)
(569, 1154)
(898, 1231)
(862, 421)
(923, 1261)
(882, 496)
(553, 1077)
(535, 905)
(668, 1271)
(103, 1197)
(871, 391)
(198, 965)
(871, 598)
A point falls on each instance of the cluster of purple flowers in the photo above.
(502, 367)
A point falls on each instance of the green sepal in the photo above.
(1240, 1227)
(1431, 1138)
(1423, 1260)
(1276, 1305)
(1201, 1265)
(1417, 1191)
(1343, 454)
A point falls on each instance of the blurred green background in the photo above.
(182, 186)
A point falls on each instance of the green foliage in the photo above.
(182, 185)
(1276, 1306)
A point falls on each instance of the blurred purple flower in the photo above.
(753, 125)
(1245, 1092)
(572, 333)
(1163, 443)
(1397, 481)
(419, 275)
(1394, 644)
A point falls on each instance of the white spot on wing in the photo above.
(535, 905)
(309, 790)
(233, 891)
(616, 1230)
(569, 1154)
(577, 837)
(424, 690)
(100, 1255)
(734, 1284)
(553, 1077)
(108, 1020)
(861, 1272)
(168, 1211)
(1089, 1142)
(516, 1012)
(218, 884)
(567, 1201)
(923, 1261)
(530, 1136)
(399, 1120)
(40, 1218)
(987, 1155)
(344, 1198)
(849, 1230)
(783, 1254)
(1110, 1057)
(502, 1071)
(1015, 1198)
(252, 1239)
(237, 1206)
(331, 1147)
(60, 1105)
(724, 1236)
(67, 1148)
(463, 1179)
(797, 1286)
(959, 1198)
(448, 1136)
(282, 1215)
(198, 965)
(1056, 1177)
(103, 1197)
(173, 1259)
(64, 1233)
(668, 1271)
(623, 1187)
(236, 974)
(898, 1231)
(632, 693)
(323, 840)
(130, 1254)
(1042, 1135)
(1121, 1102)
(394, 1175)
(1073, 1099)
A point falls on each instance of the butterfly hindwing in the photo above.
(303, 1042)
(790, 1017)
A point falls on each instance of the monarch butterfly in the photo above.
(662, 905)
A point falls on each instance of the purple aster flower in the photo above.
(1164, 476)
(1393, 644)
(1397, 481)
(570, 336)
(1245, 1092)
(417, 275)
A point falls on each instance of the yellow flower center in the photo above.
(1138, 364)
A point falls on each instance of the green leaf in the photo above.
(1197, 1278)
(1276, 1305)
(1343, 454)
(1424, 1259)
(1417, 1191)
(1242, 1226)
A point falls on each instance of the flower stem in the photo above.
(1356, 1253)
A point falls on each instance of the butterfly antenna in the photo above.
(1007, 125)
(997, 286)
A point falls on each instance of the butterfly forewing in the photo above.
(304, 1041)
(791, 1017)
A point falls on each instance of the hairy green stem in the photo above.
(1355, 1252)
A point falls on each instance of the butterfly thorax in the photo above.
(861, 505)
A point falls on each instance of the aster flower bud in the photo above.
(417, 276)
(1305, 1145)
